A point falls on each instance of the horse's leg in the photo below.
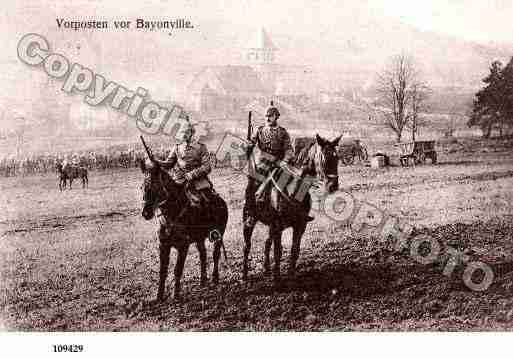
(221, 220)
(70, 182)
(248, 232)
(203, 261)
(297, 234)
(267, 252)
(164, 264)
(275, 234)
(216, 255)
(180, 262)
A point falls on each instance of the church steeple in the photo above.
(260, 49)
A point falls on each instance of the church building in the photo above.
(222, 92)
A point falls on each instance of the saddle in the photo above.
(200, 192)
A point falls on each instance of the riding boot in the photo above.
(194, 198)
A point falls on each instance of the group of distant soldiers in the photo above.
(92, 160)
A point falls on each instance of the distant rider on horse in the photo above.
(275, 146)
(189, 162)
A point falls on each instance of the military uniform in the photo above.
(66, 162)
(274, 145)
(189, 163)
(275, 141)
(75, 160)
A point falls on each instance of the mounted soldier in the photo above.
(189, 162)
(275, 150)
(65, 161)
(271, 198)
(75, 159)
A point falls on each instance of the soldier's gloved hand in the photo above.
(188, 176)
(248, 145)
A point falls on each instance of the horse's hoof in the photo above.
(277, 283)
(276, 278)
(154, 302)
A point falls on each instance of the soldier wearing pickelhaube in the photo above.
(275, 147)
(272, 140)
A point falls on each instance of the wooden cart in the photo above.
(348, 152)
(417, 152)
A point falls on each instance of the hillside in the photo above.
(347, 54)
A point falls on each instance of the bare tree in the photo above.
(401, 95)
(418, 94)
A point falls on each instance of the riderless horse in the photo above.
(318, 160)
(184, 224)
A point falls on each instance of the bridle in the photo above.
(319, 170)
(158, 205)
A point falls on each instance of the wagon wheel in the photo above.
(364, 155)
(347, 157)
(422, 158)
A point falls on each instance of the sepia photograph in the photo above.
(256, 166)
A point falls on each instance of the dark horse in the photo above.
(70, 172)
(320, 160)
(184, 224)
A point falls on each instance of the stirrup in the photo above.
(214, 236)
(250, 221)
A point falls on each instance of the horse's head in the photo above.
(157, 188)
(326, 162)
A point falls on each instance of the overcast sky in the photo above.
(476, 20)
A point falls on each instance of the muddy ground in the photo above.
(85, 260)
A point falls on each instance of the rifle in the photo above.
(250, 128)
(148, 151)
